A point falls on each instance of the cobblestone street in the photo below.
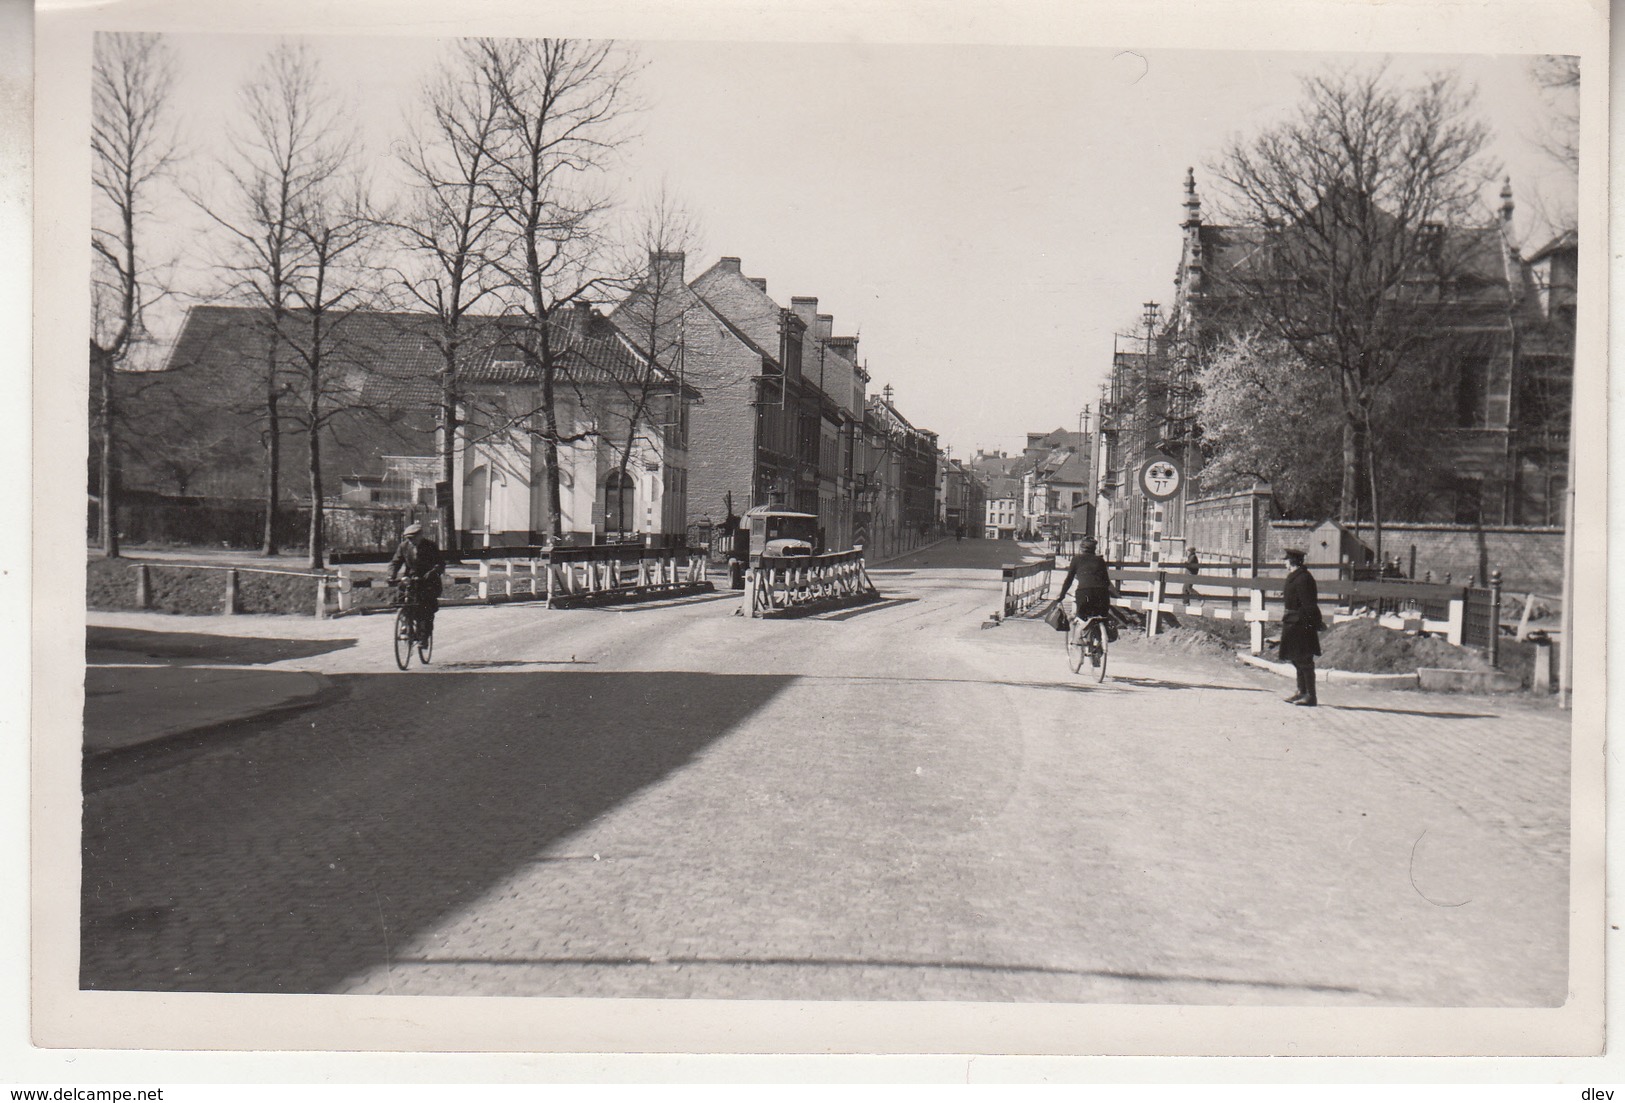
(886, 802)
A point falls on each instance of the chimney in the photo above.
(760, 282)
(666, 268)
(846, 346)
(806, 308)
(1506, 203)
(825, 326)
(729, 264)
(580, 319)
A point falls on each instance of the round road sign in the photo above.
(1161, 478)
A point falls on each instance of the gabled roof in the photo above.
(1566, 242)
(1070, 470)
(395, 358)
(1003, 486)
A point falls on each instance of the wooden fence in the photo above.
(780, 583)
(230, 584)
(1025, 585)
(561, 577)
(1467, 616)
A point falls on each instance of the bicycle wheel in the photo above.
(403, 638)
(426, 645)
(1074, 646)
(1097, 648)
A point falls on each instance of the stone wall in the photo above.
(1529, 558)
(1230, 528)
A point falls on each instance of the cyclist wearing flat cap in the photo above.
(1095, 587)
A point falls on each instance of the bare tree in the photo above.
(290, 141)
(654, 317)
(448, 232)
(563, 105)
(1558, 78)
(1354, 201)
(133, 147)
(334, 228)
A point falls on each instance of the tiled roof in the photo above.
(1069, 470)
(395, 358)
(1004, 487)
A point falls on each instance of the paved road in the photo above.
(881, 803)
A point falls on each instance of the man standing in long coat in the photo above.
(1300, 626)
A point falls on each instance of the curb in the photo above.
(1446, 680)
(1337, 677)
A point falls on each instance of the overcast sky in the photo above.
(986, 218)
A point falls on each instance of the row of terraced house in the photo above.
(686, 403)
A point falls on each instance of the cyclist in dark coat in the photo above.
(419, 561)
(1095, 587)
(1300, 626)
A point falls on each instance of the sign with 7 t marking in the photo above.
(1161, 478)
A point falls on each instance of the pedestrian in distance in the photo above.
(419, 561)
(1301, 624)
(1192, 564)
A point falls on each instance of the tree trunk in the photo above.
(450, 537)
(316, 546)
(1376, 500)
(273, 465)
(550, 424)
(1350, 489)
(107, 522)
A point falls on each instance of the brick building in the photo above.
(785, 408)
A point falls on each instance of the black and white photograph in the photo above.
(1086, 542)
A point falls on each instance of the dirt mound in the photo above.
(1366, 647)
(1192, 639)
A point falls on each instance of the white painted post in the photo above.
(321, 597)
(231, 593)
(346, 581)
(1523, 621)
(485, 580)
(1256, 616)
(1458, 620)
(1153, 612)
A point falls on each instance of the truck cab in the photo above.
(771, 531)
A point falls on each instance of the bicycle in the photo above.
(413, 629)
(1086, 642)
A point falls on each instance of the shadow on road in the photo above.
(1431, 714)
(509, 664)
(872, 607)
(134, 645)
(1159, 683)
(292, 858)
